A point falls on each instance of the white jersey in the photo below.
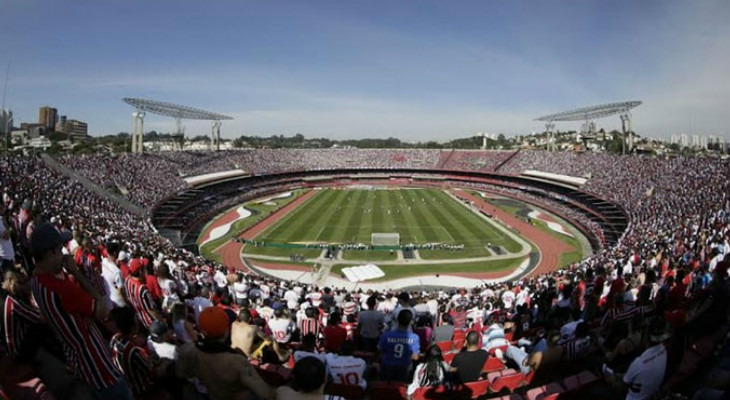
(292, 299)
(315, 298)
(346, 370)
(646, 373)
(281, 329)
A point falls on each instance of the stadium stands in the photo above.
(665, 282)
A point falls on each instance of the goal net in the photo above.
(385, 239)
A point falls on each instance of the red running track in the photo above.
(231, 251)
(550, 247)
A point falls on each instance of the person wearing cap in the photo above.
(139, 296)
(224, 371)
(72, 310)
(159, 343)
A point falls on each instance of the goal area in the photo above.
(385, 239)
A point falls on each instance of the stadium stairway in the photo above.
(506, 160)
(88, 184)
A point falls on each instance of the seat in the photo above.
(439, 392)
(449, 357)
(445, 346)
(509, 336)
(382, 390)
(493, 364)
(575, 382)
(478, 388)
(459, 344)
(350, 392)
(509, 382)
(459, 334)
(551, 391)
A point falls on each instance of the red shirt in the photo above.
(69, 311)
(334, 337)
(141, 300)
(153, 286)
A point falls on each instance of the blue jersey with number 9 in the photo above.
(398, 347)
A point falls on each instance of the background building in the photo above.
(76, 129)
(48, 116)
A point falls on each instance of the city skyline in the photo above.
(343, 70)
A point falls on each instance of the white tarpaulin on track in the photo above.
(363, 273)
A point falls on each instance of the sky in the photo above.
(416, 70)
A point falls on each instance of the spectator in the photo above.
(334, 334)
(244, 333)
(370, 323)
(468, 364)
(139, 296)
(7, 253)
(346, 369)
(309, 377)
(432, 372)
(72, 309)
(226, 374)
(445, 331)
(399, 348)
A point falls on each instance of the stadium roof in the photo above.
(593, 112)
(173, 110)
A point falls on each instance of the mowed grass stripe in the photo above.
(336, 228)
(480, 230)
(378, 213)
(326, 217)
(399, 219)
(427, 224)
(302, 221)
(277, 231)
(465, 226)
(453, 234)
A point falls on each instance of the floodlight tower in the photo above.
(549, 126)
(588, 114)
(175, 111)
(138, 131)
(215, 136)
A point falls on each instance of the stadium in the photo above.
(545, 226)
(378, 200)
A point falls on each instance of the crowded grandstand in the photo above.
(101, 301)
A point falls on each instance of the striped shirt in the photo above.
(141, 300)
(309, 325)
(69, 311)
(18, 318)
(134, 362)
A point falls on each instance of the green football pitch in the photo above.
(351, 215)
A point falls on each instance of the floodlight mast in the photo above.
(588, 114)
(170, 110)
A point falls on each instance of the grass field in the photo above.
(350, 216)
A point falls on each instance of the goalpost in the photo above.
(385, 239)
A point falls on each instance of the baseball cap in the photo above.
(158, 329)
(46, 237)
(213, 322)
(135, 265)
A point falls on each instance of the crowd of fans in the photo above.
(131, 315)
